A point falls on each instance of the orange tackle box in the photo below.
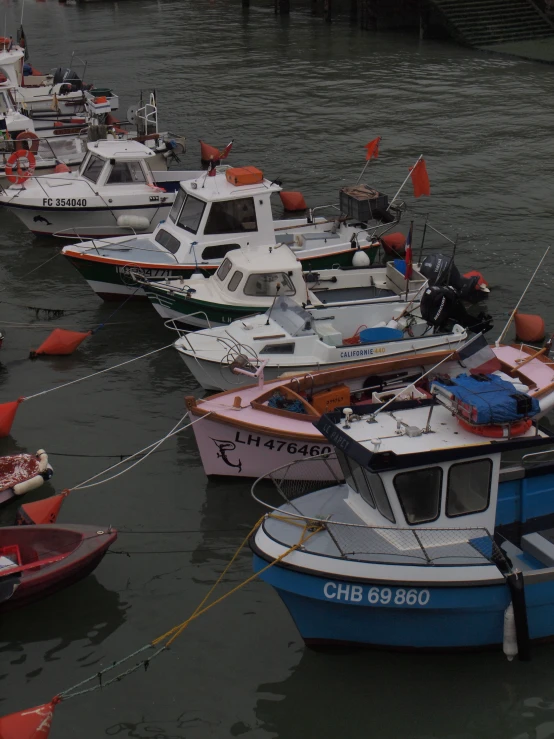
(244, 175)
(327, 400)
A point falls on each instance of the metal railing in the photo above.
(363, 542)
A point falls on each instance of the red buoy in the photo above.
(475, 273)
(7, 416)
(293, 201)
(529, 327)
(61, 167)
(394, 244)
(31, 723)
(209, 153)
(60, 342)
(42, 511)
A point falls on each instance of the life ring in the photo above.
(22, 174)
(29, 136)
(497, 431)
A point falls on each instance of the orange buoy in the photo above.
(529, 327)
(497, 431)
(42, 511)
(29, 724)
(7, 416)
(394, 243)
(293, 201)
(30, 137)
(61, 167)
(60, 342)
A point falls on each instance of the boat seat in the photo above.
(539, 546)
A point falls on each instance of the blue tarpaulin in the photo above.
(491, 399)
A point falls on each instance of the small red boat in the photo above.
(36, 561)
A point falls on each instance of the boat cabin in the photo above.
(117, 163)
(212, 216)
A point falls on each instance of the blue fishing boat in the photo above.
(441, 537)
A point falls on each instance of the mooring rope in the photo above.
(170, 636)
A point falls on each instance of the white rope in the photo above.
(151, 447)
(94, 374)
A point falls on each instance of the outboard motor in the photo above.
(437, 268)
(67, 75)
(441, 305)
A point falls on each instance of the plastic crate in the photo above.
(362, 203)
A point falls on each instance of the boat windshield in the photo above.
(177, 205)
(92, 168)
(191, 215)
(291, 317)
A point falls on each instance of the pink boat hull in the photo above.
(231, 451)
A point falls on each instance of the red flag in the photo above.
(33, 723)
(7, 415)
(41, 511)
(226, 151)
(408, 254)
(60, 342)
(420, 179)
(373, 148)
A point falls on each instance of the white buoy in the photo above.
(360, 259)
(510, 638)
(139, 223)
(197, 276)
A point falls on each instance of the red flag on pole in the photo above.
(208, 152)
(226, 151)
(7, 415)
(372, 149)
(420, 179)
(60, 342)
(33, 723)
(408, 254)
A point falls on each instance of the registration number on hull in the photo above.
(64, 202)
(275, 445)
(144, 271)
(348, 593)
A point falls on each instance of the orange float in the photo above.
(22, 174)
(293, 201)
(496, 431)
(529, 327)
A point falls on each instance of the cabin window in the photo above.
(354, 476)
(278, 348)
(345, 467)
(224, 270)
(218, 251)
(269, 285)
(469, 485)
(126, 173)
(419, 493)
(93, 168)
(191, 215)
(177, 205)
(168, 241)
(234, 281)
(232, 216)
(379, 494)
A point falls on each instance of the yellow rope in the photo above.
(176, 631)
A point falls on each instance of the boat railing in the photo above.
(171, 324)
(360, 541)
(538, 457)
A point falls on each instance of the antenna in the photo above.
(511, 318)
(273, 304)
(406, 180)
(422, 241)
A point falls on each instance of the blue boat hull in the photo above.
(331, 611)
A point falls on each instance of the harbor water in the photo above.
(300, 98)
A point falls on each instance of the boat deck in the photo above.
(349, 537)
(343, 294)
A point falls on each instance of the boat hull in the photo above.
(229, 451)
(108, 279)
(330, 611)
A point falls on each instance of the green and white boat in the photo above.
(211, 217)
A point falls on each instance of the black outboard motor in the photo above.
(442, 305)
(437, 268)
(67, 75)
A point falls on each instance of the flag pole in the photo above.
(423, 240)
(367, 163)
(22, 9)
(511, 318)
(406, 180)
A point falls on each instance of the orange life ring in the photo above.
(29, 136)
(496, 431)
(22, 174)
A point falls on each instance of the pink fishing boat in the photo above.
(247, 431)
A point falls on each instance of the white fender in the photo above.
(360, 259)
(43, 460)
(24, 487)
(139, 223)
(510, 638)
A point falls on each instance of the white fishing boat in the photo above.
(293, 338)
(114, 192)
